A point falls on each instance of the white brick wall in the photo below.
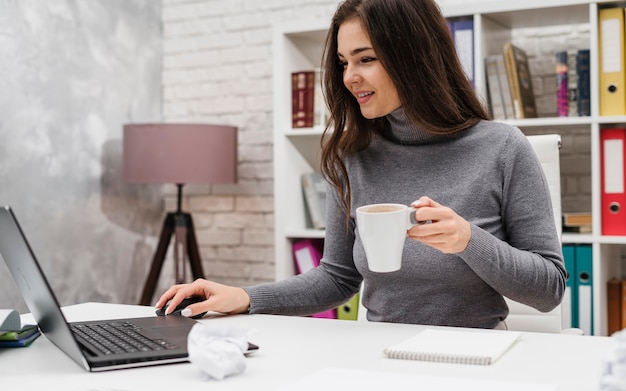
(217, 68)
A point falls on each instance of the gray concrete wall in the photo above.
(72, 72)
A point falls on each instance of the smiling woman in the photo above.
(406, 127)
(364, 75)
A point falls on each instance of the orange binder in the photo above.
(612, 72)
(613, 198)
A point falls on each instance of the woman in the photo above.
(405, 124)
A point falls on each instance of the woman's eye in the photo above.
(368, 59)
(342, 64)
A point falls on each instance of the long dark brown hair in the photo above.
(413, 43)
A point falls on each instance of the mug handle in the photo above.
(410, 213)
(410, 224)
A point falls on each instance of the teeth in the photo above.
(364, 94)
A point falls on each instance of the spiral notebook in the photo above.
(476, 347)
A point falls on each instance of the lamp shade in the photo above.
(180, 153)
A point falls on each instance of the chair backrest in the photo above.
(522, 317)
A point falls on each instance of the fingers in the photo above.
(429, 210)
(217, 297)
(176, 293)
(448, 232)
(424, 201)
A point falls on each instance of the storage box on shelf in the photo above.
(298, 46)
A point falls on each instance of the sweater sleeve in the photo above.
(329, 285)
(527, 265)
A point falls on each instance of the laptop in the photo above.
(155, 340)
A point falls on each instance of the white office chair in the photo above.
(522, 317)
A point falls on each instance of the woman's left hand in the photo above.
(446, 231)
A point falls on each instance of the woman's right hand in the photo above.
(219, 298)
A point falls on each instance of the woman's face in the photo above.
(363, 75)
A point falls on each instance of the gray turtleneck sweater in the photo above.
(487, 174)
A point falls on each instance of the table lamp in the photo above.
(178, 154)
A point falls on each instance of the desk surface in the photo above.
(295, 347)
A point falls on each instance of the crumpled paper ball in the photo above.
(217, 351)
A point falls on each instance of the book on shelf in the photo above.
(572, 83)
(463, 36)
(482, 347)
(520, 82)
(616, 304)
(314, 192)
(577, 229)
(507, 99)
(307, 100)
(583, 83)
(302, 95)
(573, 218)
(562, 83)
(494, 90)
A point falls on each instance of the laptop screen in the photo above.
(34, 287)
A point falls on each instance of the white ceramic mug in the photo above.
(382, 229)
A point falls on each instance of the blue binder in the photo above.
(569, 308)
(584, 282)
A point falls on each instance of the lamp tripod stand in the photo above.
(180, 225)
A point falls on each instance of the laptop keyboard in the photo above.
(118, 337)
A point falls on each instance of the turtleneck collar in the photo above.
(401, 130)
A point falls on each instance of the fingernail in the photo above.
(186, 312)
(415, 203)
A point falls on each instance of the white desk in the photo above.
(294, 347)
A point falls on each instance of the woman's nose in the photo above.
(350, 75)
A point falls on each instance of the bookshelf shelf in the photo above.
(298, 46)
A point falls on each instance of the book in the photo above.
(302, 99)
(455, 346)
(494, 90)
(21, 340)
(578, 229)
(520, 82)
(463, 37)
(562, 76)
(314, 192)
(25, 332)
(507, 99)
(583, 83)
(572, 83)
(614, 305)
(319, 103)
(13, 333)
(577, 218)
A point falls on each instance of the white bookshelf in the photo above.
(298, 46)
